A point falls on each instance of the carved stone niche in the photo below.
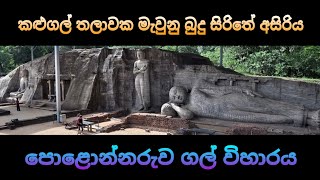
(23, 85)
(49, 86)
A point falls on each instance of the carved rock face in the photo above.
(178, 94)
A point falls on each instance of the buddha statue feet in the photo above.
(314, 119)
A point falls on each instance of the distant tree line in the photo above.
(13, 56)
(286, 61)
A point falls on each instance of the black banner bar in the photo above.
(15, 149)
(299, 150)
(300, 17)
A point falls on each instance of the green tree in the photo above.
(6, 60)
(22, 54)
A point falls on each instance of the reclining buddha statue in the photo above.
(235, 104)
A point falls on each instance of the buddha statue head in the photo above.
(24, 80)
(178, 95)
(140, 55)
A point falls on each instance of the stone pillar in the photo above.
(53, 87)
(49, 83)
(254, 84)
(62, 90)
(231, 82)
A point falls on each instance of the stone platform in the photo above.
(223, 127)
(162, 123)
(119, 120)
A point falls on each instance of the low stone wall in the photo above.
(4, 112)
(156, 121)
(105, 116)
(113, 127)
